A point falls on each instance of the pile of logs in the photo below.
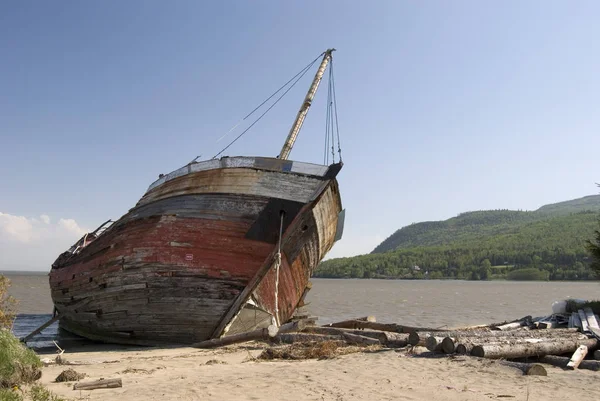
(542, 340)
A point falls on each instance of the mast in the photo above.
(291, 138)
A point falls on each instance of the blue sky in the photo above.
(444, 107)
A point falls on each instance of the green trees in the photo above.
(593, 247)
(555, 245)
(485, 271)
(528, 274)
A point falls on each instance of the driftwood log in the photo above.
(102, 383)
(563, 361)
(387, 338)
(528, 369)
(349, 324)
(463, 344)
(420, 337)
(434, 343)
(524, 348)
(392, 327)
(291, 338)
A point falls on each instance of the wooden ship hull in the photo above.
(196, 257)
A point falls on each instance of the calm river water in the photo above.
(416, 302)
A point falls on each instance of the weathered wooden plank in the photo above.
(583, 319)
(576, 320)
(577, 357)
(591, 319)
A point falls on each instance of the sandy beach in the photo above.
(234, 373)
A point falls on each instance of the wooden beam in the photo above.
(39, 329)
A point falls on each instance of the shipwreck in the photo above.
(216, 247)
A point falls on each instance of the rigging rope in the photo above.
(277, 264)
(299, 75)
(337, 127)
(332, 138)
(331, 122)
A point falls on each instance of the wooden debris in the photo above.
(297, 325)
(360, 340)
(352, 323)
(591, 319)
(392, 327)
(387, 338)
(449, 345)
(260, 334)
(526, 348)
(577, 357)
(576, 320)
(583, 318)
(291, 338)
(102, 383)
(526, 321)
(563, 361)
(528, 369)
(545, 324)
(434, 343)
(464, 348)
(419, 338)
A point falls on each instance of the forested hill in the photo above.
(474, 225)
(548, 243)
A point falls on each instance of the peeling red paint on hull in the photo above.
(173, 267)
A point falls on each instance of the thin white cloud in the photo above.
(71, 226)
(17, 227)
(34, 243)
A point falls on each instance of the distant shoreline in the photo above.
(23, 272)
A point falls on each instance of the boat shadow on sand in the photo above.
(44, 342)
